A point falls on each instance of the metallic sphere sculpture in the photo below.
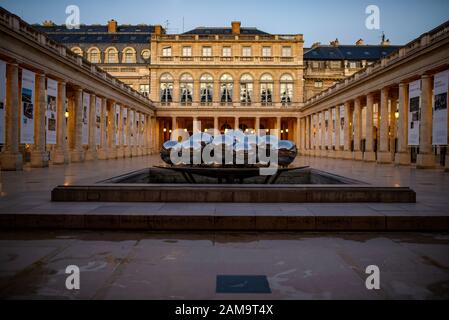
(234, 149)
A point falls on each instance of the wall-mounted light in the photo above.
(286, 130)
(267, 130)
(185, 130)
(66, 114)
(282, 131)
(165, 129)
(170, 131)
(205, 130)
(396, 115)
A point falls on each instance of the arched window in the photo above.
(226, 89)
(266, 89)
(206, 90)
(166, 83)
(246, 89)
(129, 55)
(286, 89)
(186, 87)
(78, 51)
(94, 55)
(111, 55)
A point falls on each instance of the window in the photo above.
(186, 88)
(286, 52)
(266, 52)
(111, 55)
(246, 89)
(286, 89)
(77, 51)
(227, 52)
(187, 51)
(335, 64)
(207, 51)
(206, 89)
(266, 90)
(166, 89)
(318, 84)
(354, 64)
(166, 52)
(226, 88)
(94, 55)
(129, 56)
(145, 89)
(146, 54)
(246, 52)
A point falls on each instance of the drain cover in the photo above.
(242, 284)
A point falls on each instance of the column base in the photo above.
(358, 155)
(103, 154)
(39, 159)
(347, 155)
(402, 159)
(91, 155)
(127, 152)
(134, 151)
(446, 167)
(76, 156)
(425, 161)
(384, 157)
(11, 161)
(58, 157)
(139, 151)
(369, 156)
(338, 154)
(112, 154)
(120, 153)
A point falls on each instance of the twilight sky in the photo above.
(319, 20)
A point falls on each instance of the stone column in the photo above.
(403, 156)
(257, 126)
(358, 155)
(369, 154)
(139, 135)
(112, 148)
(127, 128)
(103, 152)
(426, 157)
(384, 155)
(393, 126)
(39, 155)
(76, 128)
(236, 123)
(59, 154)
(348, 131)
(278, 127)
(323, 135)
(135, 131)
(120, 147)
(307, 135)
(216, 124)
(91, 153)
(338, 153)
(299, 133)
(10, 158)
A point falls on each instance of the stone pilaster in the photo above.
(91, 153)
(60, 152)
(369, 155)
(112, 148)
(103, 152)
(76, 128)
(39, 155)
(10, 158)
(384, 154)
(426, 158)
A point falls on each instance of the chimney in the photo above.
(48, 23)
(158, 29)
(236, 27)
(112, 26)
(335, 43)
(385, 42)
(316, 45)
(360, 42)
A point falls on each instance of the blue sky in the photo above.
(319, 20)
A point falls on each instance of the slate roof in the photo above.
(98, 34)
(343, 52)
(224, 31)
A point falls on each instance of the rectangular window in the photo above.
(227, 52)
(166, 52)
(187, 51)
(318, 84)
(335, 64)
(286, 52)
(145, 89)
(266, 52)
(246, 52)
(207, 51)
(352, 64)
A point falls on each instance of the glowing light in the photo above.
(165, 129)
(66, 114)
(396, 115)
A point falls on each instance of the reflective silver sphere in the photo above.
(166, 150)
(287, 152)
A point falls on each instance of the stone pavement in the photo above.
(117, 265)
(25, 202)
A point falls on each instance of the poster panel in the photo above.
(333, 126)
(98, 121)
(440, 115)
(414, 115)
(142, 126)
(132, 125)
(320, 128)
(2, 100)
(51, 111)
(326, 128)
(85, 119)
(117, 129)
(342, 125)
(28, 108)
(125, 124)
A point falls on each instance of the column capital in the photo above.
(403, 84)
(426, 76)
